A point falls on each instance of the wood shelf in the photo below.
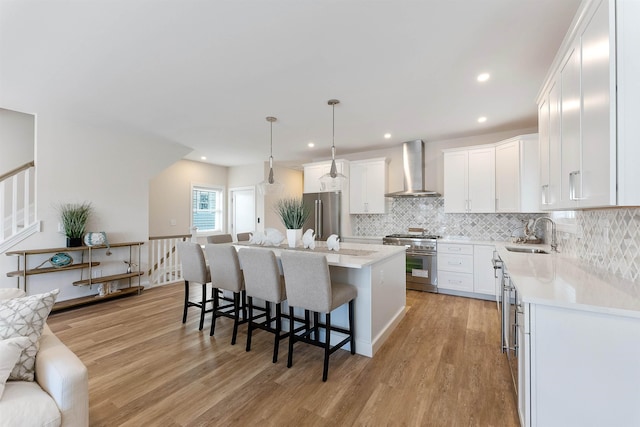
(93, 299)
(73, 249)
(103, 279)
(21, 273)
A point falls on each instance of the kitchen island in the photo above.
(378, 272)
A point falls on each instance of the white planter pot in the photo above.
(294, 237)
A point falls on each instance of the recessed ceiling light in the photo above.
(482, 119)
(311, 145)
(203, 158)
(387, 135)
(483, 77)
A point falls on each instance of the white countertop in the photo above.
(557, 280)
(347, 256)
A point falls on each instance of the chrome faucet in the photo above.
(554, 237)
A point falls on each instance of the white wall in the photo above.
(170, 195)
(111, 169)
(17, 139)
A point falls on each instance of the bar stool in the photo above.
(243, 237)
(308, 283)
(194, 269)
(262, 280)
(220, 238)
(226, 275)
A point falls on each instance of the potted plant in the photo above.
(74, 218)
(293, 214)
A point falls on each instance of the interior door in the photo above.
(243, 210)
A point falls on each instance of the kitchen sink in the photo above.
(525, 250)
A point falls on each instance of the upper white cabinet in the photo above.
(367, 186)
(517, 175)
(313, 172)
(469, 180)
(588, 111)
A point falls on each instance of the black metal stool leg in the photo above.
(236, 313)
(216, 301)
(291, 338)
(352, 324)
(186, 301)
(327, 346)
(203, 307)
(276, 344)
(250, 325)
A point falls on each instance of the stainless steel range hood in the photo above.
(413, 166)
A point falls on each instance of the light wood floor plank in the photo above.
(441, 367)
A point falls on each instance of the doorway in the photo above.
(243, 210)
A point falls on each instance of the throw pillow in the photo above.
(25, 317)
(9, 353)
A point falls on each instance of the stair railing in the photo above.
(17, 201)
(164, 260)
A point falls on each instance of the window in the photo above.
(206, 206)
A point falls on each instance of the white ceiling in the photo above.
(205, 74)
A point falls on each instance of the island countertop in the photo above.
(350, 255)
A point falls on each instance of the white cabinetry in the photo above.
(588, 109)
(592, 381)
(313, 172)
(517, 175)
(469, 180)
(484, 279)
(466, 268)
(368, 185)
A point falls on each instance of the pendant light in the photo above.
(270, 185)
(333, 180)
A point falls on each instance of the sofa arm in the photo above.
(61, 374)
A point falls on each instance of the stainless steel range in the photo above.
(421, 267)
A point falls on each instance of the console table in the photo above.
(26, 269)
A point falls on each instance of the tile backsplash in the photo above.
(428, 213)
(608, 239)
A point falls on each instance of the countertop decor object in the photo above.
(334, 180)
(270, 185)
(309, 239)
(74, 217)
(333, 243)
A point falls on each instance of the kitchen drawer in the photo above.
(452, 248)
(455, 263)
(455, 281)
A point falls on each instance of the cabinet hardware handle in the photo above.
(545, 197)
(572, 186)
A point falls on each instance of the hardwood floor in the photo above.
(441, 367)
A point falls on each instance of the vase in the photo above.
(294, 236)
(74, 242)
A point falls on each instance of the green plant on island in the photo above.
(293, 213)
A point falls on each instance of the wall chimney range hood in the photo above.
(413, 166)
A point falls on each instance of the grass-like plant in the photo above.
(74, 218)
(293, 213)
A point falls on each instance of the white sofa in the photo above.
(59, 396)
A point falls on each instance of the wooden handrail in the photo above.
(177, 236)
(17, 170)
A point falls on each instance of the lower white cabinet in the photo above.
(466, 268)
(578, 367)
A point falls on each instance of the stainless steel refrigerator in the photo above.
(325, 213)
